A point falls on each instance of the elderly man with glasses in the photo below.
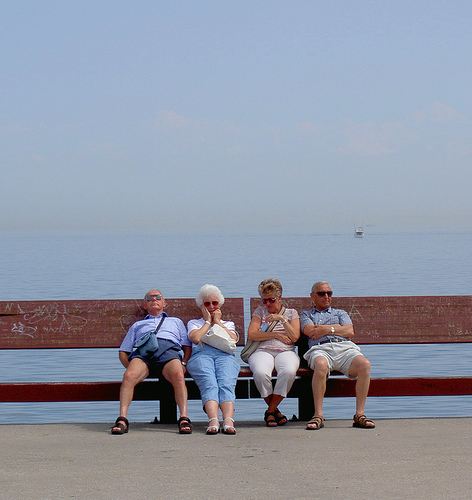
(330, 348)
(160, 355)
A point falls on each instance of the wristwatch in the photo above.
(332, 329)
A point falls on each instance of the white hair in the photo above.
(209, 291)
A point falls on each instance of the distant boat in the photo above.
(359, 232)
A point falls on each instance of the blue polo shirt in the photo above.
(172, 329)
(329, 316)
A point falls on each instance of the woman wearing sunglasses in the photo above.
(214, 371)
(277, 329)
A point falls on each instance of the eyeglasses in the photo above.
(150, 297)
(214, 303)
(269, 301)
(322, 294)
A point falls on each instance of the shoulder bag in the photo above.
(219, 338)
(148, 344)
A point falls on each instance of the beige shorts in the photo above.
(338, 354)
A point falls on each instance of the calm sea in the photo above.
(105, 267)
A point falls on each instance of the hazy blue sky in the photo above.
(120, 116)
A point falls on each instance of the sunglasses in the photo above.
(269, 301)
(150, 297)
(322, 294)
(214, 303)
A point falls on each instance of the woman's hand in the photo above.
(205, 313)
(274, 317)
(217, 314)
(284, 338)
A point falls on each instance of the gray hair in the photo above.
(153, 290)
(209, 291)
(317, 284)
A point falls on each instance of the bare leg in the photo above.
(270, 419)
(173, 372)
(136, 372)
(274, 402)
(211, 409)
(227, 408)
(360, 368)
(318, 385)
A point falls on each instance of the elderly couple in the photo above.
(274, 327)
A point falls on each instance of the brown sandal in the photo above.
(363, 422)
(315, 420)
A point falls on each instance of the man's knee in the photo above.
(173, 372)
(136, 372)
(360, 367)
(320, 366)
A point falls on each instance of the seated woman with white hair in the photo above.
(214, 371)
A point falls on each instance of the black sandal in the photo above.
(280, 418)
(122, 429)
(270, 418)
(185, 425)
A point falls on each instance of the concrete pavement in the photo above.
(399, 459)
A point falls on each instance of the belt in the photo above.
(330, 341)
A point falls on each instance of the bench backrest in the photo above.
(89, 323)
(103, 323)
(400, 320)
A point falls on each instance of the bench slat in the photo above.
(89, 323)
(401, 320)
(154, 390)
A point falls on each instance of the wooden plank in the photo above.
(88, 323)
(401, 320)
(151, 390)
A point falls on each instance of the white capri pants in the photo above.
(262, 363)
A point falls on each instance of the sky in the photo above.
(209, 116)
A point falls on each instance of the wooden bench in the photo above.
(394, 320)
(103, 324)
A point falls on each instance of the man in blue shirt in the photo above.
(166, 360)
(330, 348)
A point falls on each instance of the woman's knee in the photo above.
(260, 374)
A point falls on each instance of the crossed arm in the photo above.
(317, 331)
(289, 336)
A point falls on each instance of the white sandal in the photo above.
(229, 429)
(213, 429)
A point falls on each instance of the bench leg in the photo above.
(306, 407)
(167, 404)
(167, 412)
